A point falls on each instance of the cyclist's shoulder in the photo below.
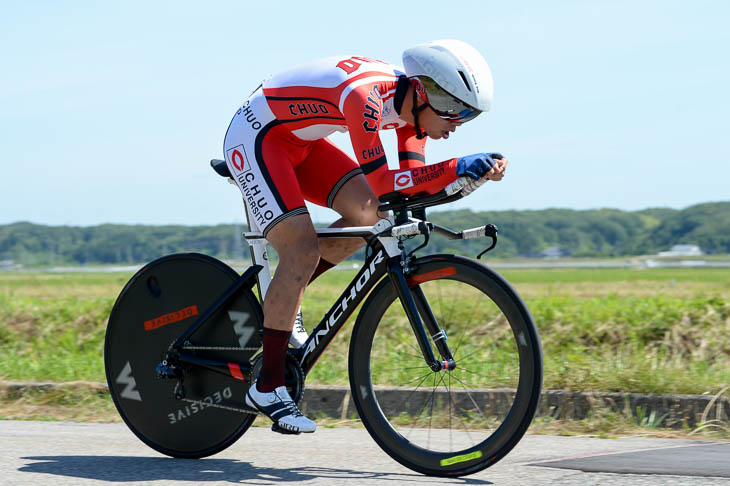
(336, 72)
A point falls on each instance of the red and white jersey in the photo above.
(356, 95)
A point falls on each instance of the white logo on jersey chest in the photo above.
(402, 180)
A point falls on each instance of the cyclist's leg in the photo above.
(331, 178)
(295, 241)
(260, 155)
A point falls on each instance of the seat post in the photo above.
(259, 256)
(257, 246)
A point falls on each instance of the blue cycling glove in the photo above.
(475, 166)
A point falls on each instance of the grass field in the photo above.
(628, 330)
(651, 330)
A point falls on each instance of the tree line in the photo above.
(578, 233)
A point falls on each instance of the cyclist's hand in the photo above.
(475, 166)
(496, 173)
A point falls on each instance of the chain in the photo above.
(215, 405)
(218, 348)
(224, 407)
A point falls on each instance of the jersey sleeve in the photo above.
(411, 150)
(362, 109)
(424, 179)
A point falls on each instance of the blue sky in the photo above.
(110, 111)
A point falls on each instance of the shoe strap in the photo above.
(289, 404)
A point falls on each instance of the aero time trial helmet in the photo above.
(456, 79)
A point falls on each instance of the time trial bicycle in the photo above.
(445, 362)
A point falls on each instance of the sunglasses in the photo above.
(445, 105)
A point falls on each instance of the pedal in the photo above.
(281, 430)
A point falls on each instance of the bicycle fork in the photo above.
(422, 320)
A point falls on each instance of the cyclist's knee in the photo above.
(357, 203)
(370, 214)
(367, 215)
(363, 213)
(295, 241)
(301, 258)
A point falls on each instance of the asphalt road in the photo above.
(62, 453)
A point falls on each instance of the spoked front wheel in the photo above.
(456, 421)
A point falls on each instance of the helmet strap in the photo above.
(415, 110)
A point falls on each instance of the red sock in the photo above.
(274, 358)
(322, 267)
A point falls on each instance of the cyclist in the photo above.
(277, 151)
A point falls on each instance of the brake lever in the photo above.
(491, 230)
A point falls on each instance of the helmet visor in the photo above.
(445, 105)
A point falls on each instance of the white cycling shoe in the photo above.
(299, 335)
(281, 409)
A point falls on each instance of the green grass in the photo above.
(73, 401)
(634, 339)
(651, 330)
(619, 274)
(651, 345)
(627, 330)
(55, 339)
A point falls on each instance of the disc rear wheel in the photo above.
(155, 307)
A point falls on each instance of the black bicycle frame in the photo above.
(371, 272)
(374, 268)
(376, 265)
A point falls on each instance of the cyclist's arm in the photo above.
(362, 110)
(411, 150)
(414, 176)
(430, 179)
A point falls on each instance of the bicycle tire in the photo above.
(157, 304)
(484, 317)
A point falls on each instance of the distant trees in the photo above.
(598, 233)
(705, 225)
(592, 233)
(32, 244)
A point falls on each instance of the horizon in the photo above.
(242, 223)
(606, 104)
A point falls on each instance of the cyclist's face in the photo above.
(435, 126)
